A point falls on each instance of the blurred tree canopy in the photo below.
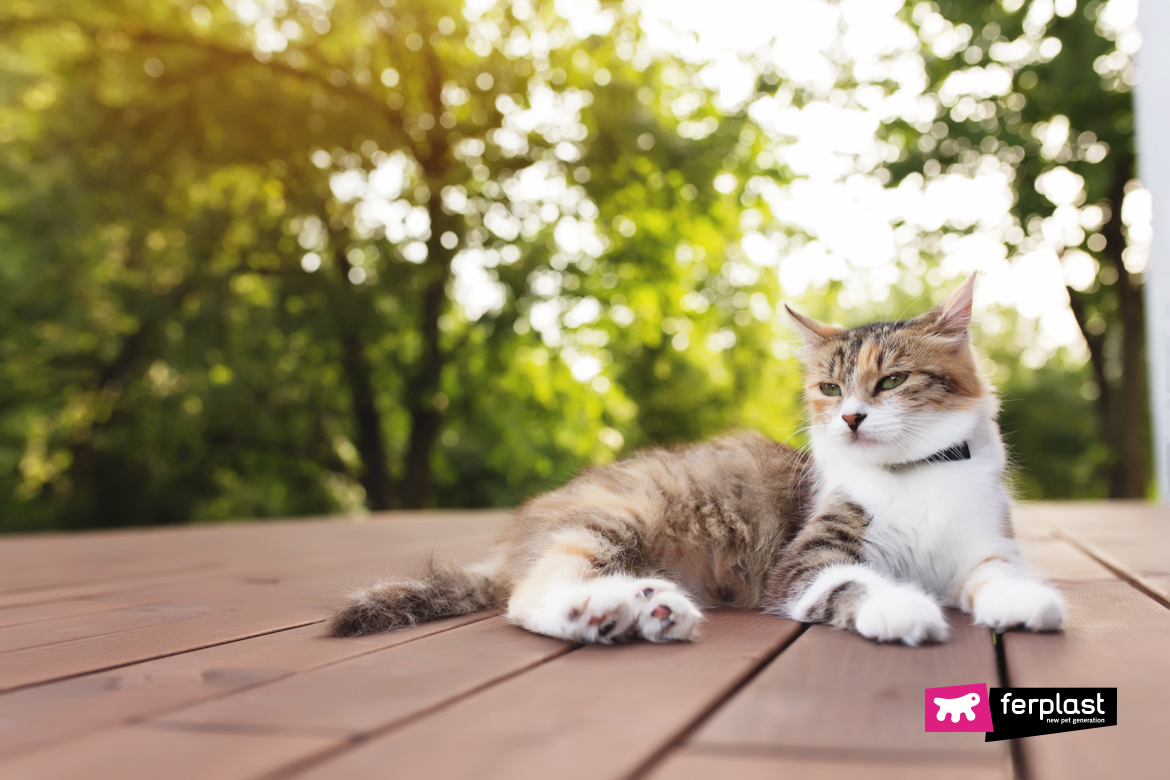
(292, 257)
(1059, 117)
(229, 235)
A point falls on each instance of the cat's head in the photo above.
(894, 392)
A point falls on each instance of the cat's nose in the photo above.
(853, 420)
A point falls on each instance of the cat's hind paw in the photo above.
(611, 609)
(1007, 603)
(664, 613)
(587, 613)
(901, 614)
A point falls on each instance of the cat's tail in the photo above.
(443, 590)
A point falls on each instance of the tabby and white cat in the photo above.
(899, 509)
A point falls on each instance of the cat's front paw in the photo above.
(901, 614)
(663, 613)
(1007, 603)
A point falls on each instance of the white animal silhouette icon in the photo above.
(954, 707)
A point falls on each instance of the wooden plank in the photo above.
(330, 704)
(145, 752)
(196, 596)
(1114, 636)
(53, 579)
(379, 689)
(48, 632)
(1058, 560)
(206, 588)
(358, 562)
(119, 554)
(1028, 523)
(288, 548)
(64, 659)
(705, 764)
(246, 605)
(65, 608)
(113, 588)
(599, 712)
(1159, 584)
(50, 714)
(52, 561)
(834, 691)
(1130, 537)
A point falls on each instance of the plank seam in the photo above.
(857, 755)
(246, 729)
(51, 644)
(105, 608)
(144, 719)
(357, 740)
(112, 579)
(1017, 762)
(1134, 580)
(157, 656)
(673, 744)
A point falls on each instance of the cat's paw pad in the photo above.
(1007, 603)
(587, 613)
(665, 614)
(901, 614)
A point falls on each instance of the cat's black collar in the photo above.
(955, 452)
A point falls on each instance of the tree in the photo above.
(238, 233)
(1045, 88)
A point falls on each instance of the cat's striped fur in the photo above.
(866, 533)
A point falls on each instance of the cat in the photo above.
(898, 509)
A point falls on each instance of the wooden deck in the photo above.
(197, 653)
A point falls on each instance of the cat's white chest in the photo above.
(929, 525)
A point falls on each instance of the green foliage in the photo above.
(1051, 435)
(1064, 112)
(228, 263)
(292, 258)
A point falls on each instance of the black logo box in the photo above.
(1030, 712)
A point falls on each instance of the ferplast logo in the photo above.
(1011, 713)
(958, 708)
(1030, 712)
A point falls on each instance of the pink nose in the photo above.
(853, 420)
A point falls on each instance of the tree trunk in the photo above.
(375, 476)
(1134, 394)
(1104, 402)
(426, 417)
(137, 349)
(1122, 407)
(1131, 473)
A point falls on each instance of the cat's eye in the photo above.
(892, 381)
(830, 389)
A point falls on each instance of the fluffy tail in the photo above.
(443, 590)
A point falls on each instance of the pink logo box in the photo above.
(958, 708)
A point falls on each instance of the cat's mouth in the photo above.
(864, 439)
(860, 437)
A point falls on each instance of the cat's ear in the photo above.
(954, 315)
(814, 333)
